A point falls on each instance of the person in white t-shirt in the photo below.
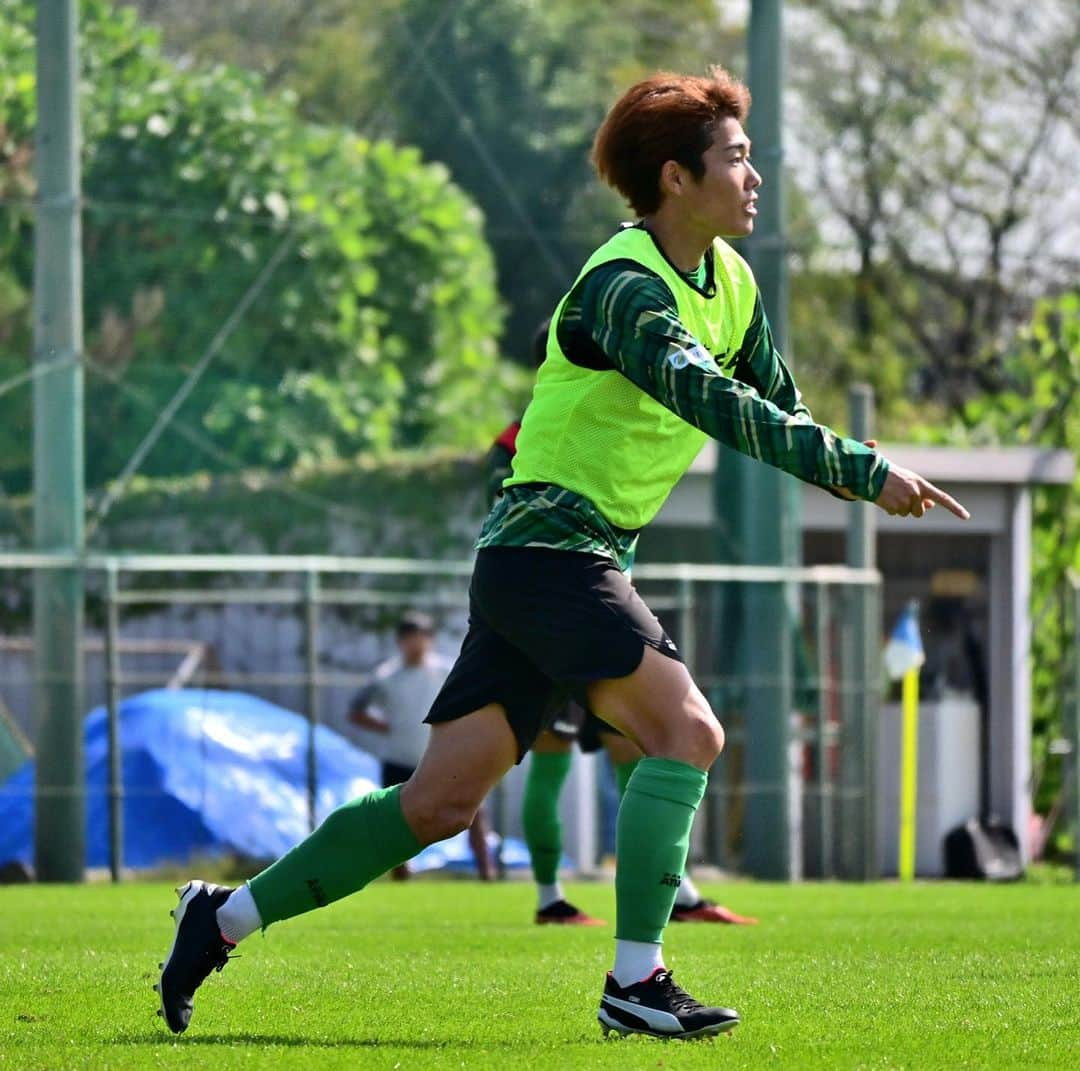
(394, 704)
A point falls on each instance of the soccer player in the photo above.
(550, 760)
(401, 690)
(660, 343)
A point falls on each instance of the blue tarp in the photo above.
(206, 773)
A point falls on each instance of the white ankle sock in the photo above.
(238, 917)
(548, 894)
(688, 893)
(636, 960)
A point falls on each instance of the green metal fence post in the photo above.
(822, 615)
(60, 806)
(1072, 715)
(860, 675)
(112, 703)
(765, 503)
(687, 631)
(311, 661)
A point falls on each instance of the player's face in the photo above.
(414, 646)
(723, 200)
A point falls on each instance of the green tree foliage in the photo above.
(1041, 407)
(942, 138)
(16, 178)
(507, 93)
(376, 331)
(509, 96)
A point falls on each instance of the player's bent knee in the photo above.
(704, 740)
(719, 738)
(697, 739)
(451, 821)
(433, 820)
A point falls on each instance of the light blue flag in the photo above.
(904, 651)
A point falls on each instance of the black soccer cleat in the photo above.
(563, 913)
(659, 1008)
(197, 949)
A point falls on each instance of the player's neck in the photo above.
(683, 244)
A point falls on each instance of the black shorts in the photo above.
(393, 773)
(574, 724)
(543, 625)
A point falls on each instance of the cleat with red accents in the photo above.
(562, 913)
(708, 911)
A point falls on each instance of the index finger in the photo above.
(935, 494)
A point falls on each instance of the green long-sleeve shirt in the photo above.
(624, 317)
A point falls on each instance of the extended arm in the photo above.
(630, 315)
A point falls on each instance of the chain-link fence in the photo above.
(306, 633)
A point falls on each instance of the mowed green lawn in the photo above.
(455, 975)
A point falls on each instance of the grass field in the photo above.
(454, 975)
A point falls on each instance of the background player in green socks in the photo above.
(660, 343)
(549, 766)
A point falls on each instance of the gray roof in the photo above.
(983, 464)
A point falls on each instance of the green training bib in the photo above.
(598, 434)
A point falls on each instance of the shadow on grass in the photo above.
(156, 1037)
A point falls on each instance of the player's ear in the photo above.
(671, 179)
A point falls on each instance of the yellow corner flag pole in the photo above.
(909, 773)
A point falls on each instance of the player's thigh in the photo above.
(661, 709)
(465, 758)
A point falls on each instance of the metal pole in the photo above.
(112, 702)
(1074, 735)
(498, 815)
(687, 641)
(687, 637)
(311, 659)
(765, 500)
(824, 784)
(60, 826)
(862, 678)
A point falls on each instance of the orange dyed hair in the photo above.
(665, 117)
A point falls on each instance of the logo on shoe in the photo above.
(671, 880)
(317, 893)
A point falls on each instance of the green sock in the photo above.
(540, 813)
(623, 770)
(652, 839)
(357, 842)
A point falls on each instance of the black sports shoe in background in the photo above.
(710, 911)
(658, 1007)
(197, 949)
(563, 913)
